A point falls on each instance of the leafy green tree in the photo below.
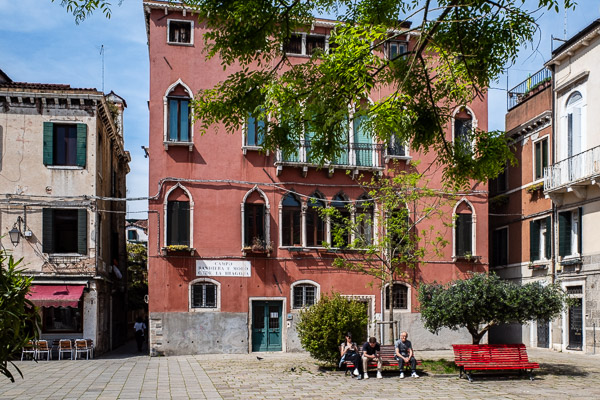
(19, 321)
(458, 48)
(323, 325)
(482, 301)
(137, 275)
(391, 229)
(81, 9)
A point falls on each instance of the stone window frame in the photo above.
(304, 282)
(218, 295)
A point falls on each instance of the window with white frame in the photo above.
(304, 295)
(203, 294)
(540, 155)
(569, 232)
(574, 138)
(180, 31)
(365, 220)
(399, 297)
(305, 44)
(540, 242)
(396, 147)
(395, 49)
(340, 232)
(463, 230)
(178, 115)
(255, 131)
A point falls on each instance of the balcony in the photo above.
(355, 156)
(530, 86)
(573, 175)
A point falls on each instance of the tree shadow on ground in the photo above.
(545, 370)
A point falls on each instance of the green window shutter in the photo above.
(538, 160)
(534, 240)
(81, 145)
(184, 223)
(548, 238)
(48, 143)
(564, 233)
(579, 232)
(464, 235)
(48, 230)
(544, 155)
(82, 246)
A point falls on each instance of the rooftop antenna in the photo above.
(102, 54)
(565, 25)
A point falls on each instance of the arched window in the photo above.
(365, 221)
(178, 211)
(464, 243)
(399, 297)
(464, 124)
(178, 121)
(573, 108)
(304, 294)
(255, 217)
(340, 234)
(315, 223)
(204, 294)
(290, 221)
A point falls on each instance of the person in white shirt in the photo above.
(140, 328)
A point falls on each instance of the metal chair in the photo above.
(82, 347)
(90, 345)
(42, 347)
(29, 348)
(65, 346)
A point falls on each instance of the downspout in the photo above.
(554, 210)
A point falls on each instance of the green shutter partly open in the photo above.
(579, 232)
(48, 150)
(47, 230)
(534, 240)
(564, 233)
(548, 238)
(82, 246)
(81, 144)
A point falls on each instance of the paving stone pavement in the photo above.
(288, 376)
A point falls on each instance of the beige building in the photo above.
(62, 189)
(573, 184)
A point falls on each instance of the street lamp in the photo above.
(15, 235)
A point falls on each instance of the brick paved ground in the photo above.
(246, 377)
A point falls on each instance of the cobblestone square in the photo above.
(288, 376)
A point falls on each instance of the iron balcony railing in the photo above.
(520, 92)
(573, 169)
(366, 155)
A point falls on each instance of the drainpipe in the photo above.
(554, 210)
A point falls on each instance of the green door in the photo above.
(266, 325)
(363, 147)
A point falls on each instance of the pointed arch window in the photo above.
(255, 220)
(365, 221)
(315, 223)
(291, 221)
(464, 230)
(178, 213)
(178, 125)
(340, 234)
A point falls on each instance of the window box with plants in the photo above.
(177, 248)
(467, 257)
(534, 188)
(258, 246)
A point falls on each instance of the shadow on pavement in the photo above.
(127, 350)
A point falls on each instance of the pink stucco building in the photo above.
(234, 249)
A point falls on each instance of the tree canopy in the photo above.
(485, 300)
(457, 48)
(81, 9)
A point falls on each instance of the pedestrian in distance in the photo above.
(140, 329)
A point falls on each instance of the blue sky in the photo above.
(40, 42)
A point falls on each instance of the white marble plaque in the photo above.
(223, 268)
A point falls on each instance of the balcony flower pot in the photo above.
(175, 249)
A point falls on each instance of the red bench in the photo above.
(470, 357)
(387, 352)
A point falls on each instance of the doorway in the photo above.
(266, 325)
(576, 325)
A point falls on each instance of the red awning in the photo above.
(55, 296)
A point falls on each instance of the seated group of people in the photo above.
(370, 352)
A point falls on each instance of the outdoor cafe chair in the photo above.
(82, 347)
(65, 346)
(90, 345)
(29, 348)
(43, 348)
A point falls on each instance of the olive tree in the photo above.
(485, 300)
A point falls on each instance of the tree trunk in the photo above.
(477, 335)
(389, 298)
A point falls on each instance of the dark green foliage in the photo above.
(462, 46)
(137, 276)
(482, 301)
(322, 326)
(19, 320)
